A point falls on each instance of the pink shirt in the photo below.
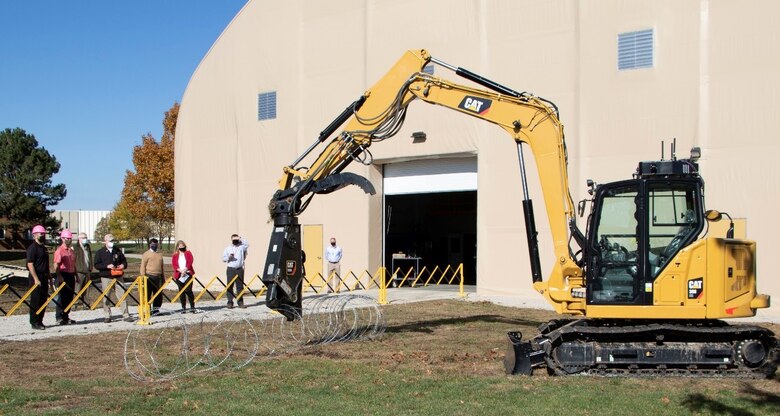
(66, 259)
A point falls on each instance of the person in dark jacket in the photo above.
(111, 263)
(38, 266)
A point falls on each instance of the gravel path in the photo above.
(17, 327)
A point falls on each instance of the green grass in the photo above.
(437, 358)
(314, 387)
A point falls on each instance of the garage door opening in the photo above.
(439, 229)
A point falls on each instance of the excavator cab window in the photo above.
(673, 221)
(614, 265)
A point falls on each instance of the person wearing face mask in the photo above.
(235, 257)
(65, 269)
(183, 272)
(152, 268)
(111, 264)
(38, 266)
(333, 256)
(83, 253)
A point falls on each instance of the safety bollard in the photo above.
(461, 292)
(144, 308)
(382, 287)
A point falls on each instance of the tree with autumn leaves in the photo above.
(145, 209)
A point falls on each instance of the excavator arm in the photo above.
(378, 115)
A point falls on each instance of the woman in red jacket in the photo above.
(182, 274)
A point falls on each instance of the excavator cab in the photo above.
(637, 226)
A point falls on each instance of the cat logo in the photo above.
(695, 288)
(475, 105)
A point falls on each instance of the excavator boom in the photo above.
(378, 115)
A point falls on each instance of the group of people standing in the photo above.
(74, 266)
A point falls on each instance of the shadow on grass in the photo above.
(426, 327)
(758, 401)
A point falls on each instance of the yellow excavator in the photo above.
(645, 287)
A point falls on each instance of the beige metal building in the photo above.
(626, 75)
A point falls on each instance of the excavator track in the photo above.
(647, 349)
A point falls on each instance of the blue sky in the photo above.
(89, 77)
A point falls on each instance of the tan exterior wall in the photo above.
(712, 86)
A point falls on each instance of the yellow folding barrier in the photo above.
(246, 287)
(22, 299)
(183, 288)
(127, 291)
(226, 287)
(160, 290)
(381, 279)
(53, 295)
(78, 296)
(205, 288)
(103, 294)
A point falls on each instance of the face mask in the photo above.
(333, 244)
(236, 242)
(84, 242)
(110, 246)
(67, 242)
(153, 247)
(182, 248)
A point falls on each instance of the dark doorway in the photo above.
(439, 228)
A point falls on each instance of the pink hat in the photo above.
(38, 229)
(66, 234)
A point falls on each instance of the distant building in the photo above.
(81, 221)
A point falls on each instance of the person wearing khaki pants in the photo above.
(333, 255)
(111, 263)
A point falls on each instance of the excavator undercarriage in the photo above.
(701, 348)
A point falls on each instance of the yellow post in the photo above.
(21, 301)
(5, 286)
(144, 308)
(382, 286)
(462, 293)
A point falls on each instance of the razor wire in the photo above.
(233, 340)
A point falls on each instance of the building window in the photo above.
(266, 105)
(428, 69)
(635, 50)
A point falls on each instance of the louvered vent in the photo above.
(635, 50)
